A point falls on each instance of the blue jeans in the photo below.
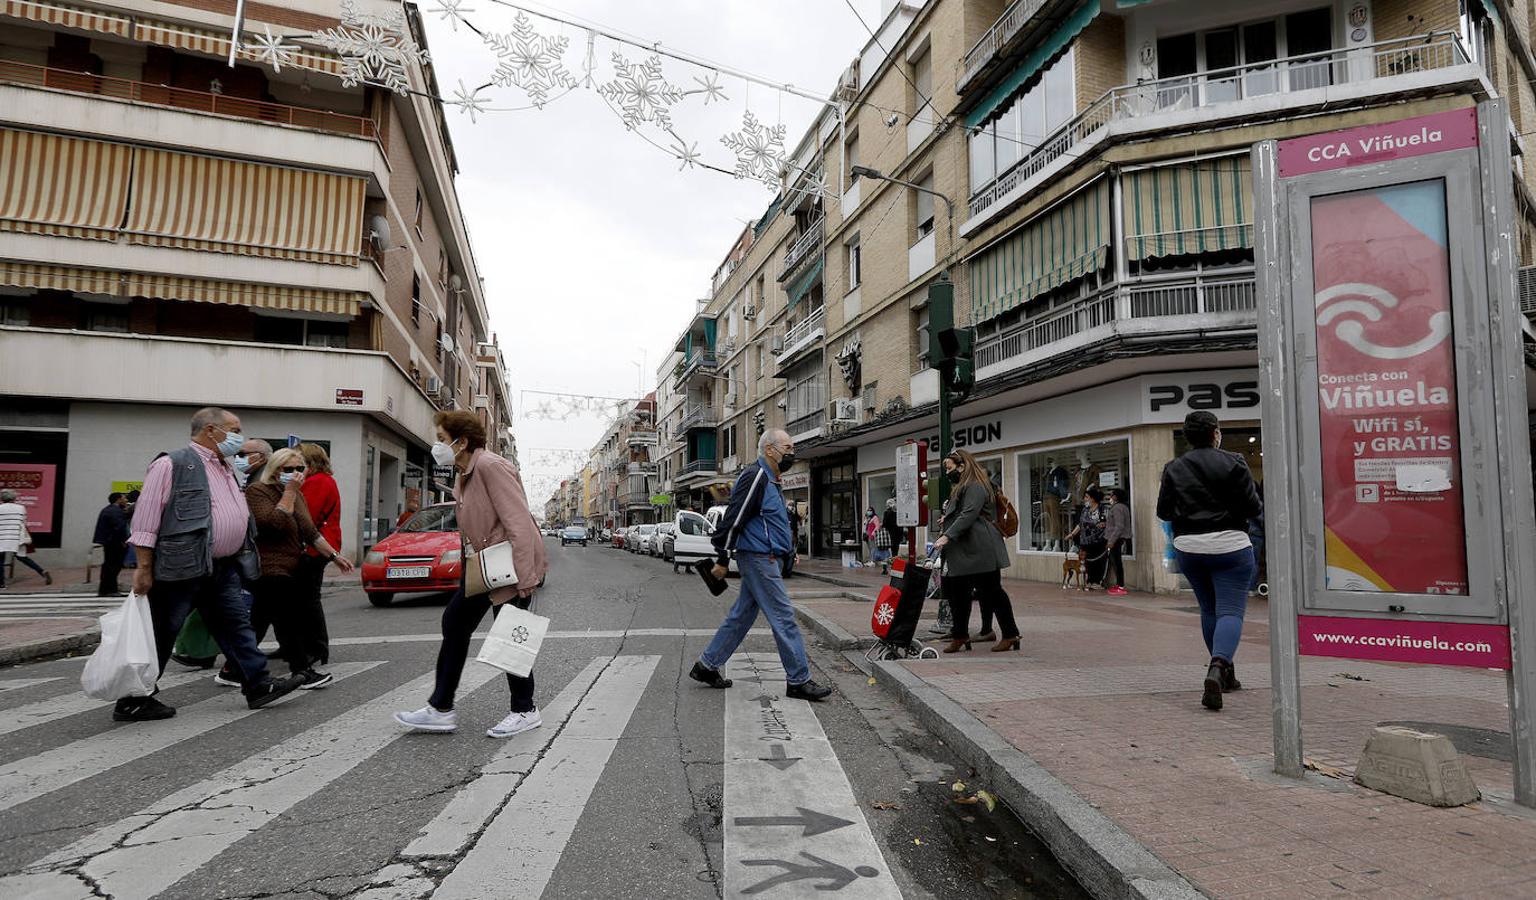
(762, 588)
(881, 555)
(220, 599)
(1220, 582)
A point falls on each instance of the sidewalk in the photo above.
(1105, 697)
(23, 640)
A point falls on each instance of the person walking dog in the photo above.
(1208, 495)
(756, 526)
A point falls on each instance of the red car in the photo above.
(424, 555)
(618, 538)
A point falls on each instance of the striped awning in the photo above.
(216, 43)
(1192, 207)
(802, 285)
(71, 187)
(66, 16)
(1066, 242)
(239, 293)
(1043, 52)
(39, 277)
(205, 203)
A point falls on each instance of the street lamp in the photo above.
(877, 175)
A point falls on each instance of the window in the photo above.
(855, 260)
(1226, 64)
(442, 269)
(983, 162)
(15, 312)
(105, 317)
(924, 200)
(1052, 482)
(851, 157)
(1477, 32)
(417, 217)
(922, 83)
(416, 300)
(1023, 123)
(326, 334)
(437, 345)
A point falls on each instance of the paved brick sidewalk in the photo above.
(22, 640)
(1105, 695)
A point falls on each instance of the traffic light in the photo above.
(958, 349)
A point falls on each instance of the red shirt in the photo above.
(324, 502)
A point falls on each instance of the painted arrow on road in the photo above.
(835, 877)
(763, 700)
(778, 759)
(814, 822)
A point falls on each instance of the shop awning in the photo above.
(204, 203)
(38, 277)
(1068, 241)
(236, 293)
(66, 16)
(802, 285)
(1193, 207)
(214, 43)
(1030, 66)
(71, 187)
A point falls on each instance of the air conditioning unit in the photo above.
(843, 410)
(434, 384)
(749, 312)
(776, 346)
(1527, 289)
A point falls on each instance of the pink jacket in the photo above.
(492, 508)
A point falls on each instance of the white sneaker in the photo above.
(515, 723)
(429, 719)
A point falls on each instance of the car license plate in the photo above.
(408, 572)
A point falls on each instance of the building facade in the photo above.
(176, 232)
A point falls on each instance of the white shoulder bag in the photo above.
(488, 570)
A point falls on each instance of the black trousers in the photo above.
(460, 620)
(1097, 561)
(111, 565)
(316, 635)
(1117, 563)
(985, 588)
(276, 605)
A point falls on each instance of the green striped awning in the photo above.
(1192, 207)
(1067, 242)
(1043, 52)
(802, 285)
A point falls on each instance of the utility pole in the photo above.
(951, 353)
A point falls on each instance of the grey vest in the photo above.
(184, 545)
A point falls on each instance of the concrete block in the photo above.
(1417, 766)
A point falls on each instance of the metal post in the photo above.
(941, 317)
(1283, 537)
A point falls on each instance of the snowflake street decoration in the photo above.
(468, 100)
(271, 49)
(372, 48)
(759, 150)
(531, 61)
(709, 86)
(641, 92)
(452, 11)
(687, 154)
(885, 614)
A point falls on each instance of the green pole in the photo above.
(941, 318)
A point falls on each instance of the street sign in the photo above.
(1398, 479)
(911, 472)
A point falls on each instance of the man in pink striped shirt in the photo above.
(195, 542)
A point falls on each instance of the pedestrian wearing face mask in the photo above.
(251, 459)
(284, 530)
(975, 553)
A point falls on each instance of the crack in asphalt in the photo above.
(717, 813)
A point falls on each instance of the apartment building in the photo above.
(1081, 175)
(176, 232)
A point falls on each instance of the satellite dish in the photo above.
(378, 232)
(455, 283)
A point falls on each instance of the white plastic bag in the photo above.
(514, 641)
(125, 664)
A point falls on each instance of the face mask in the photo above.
(241, 464)
(442, 454)
(953, 475)
(285, 477)
(233, 441)
(786, 461)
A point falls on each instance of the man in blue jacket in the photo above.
(756, 527)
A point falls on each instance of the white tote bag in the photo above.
(125, 664)
(514, 641)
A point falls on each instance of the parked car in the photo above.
(639, 538)
(422, 556)
(663, 530)
(605, 535)
(619, 534)
(574, 533)
(688, 541)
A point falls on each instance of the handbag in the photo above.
(514, 641)
(489, 569)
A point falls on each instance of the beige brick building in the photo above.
(177, 232)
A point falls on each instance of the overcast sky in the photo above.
(593, 245)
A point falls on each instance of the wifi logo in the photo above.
(1355, 306)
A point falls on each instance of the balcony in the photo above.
(696, 469)
(700, 416)
(806, 426)
(1387, 69)
(633, 499)
(701, 361)
(1140, 309)
(642, 468)
(803, 335)
(643, 437)
(1001, 35)
(806, 246)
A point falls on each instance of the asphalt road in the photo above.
(641, 783)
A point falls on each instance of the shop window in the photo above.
(1051, 485)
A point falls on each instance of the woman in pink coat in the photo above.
(492, 508)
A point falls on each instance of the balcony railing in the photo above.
(699, 361)
(803, 333)
(635, 498)
(1292, 74)
(643, 437)
(805, 424)
(703, 465)
(1182, 297)
(698, 417)
(181, 98)
(804, 247)
(642, 468)
(1002, 31)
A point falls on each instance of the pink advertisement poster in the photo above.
(33, 485)
(1391, 640)
(1391, 449)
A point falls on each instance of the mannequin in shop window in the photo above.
(1055, 486)
(1085, 476)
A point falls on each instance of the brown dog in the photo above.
(1072, 569)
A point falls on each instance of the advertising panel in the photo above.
(34, 487)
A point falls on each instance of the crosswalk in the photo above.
(66, 604)
(792, 827)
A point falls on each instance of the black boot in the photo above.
(1229, 680)
(1211, 698)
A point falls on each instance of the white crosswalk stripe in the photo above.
(44, 711)
(32, 606)
(16, 684)
(34, 776)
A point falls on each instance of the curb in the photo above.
(47, 648)
(1106, 860)
(832, 579)
(830, 633)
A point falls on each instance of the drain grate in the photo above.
(1484, 743)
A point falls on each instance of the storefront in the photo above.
(797, 495)
(1118, 435)
(835, 520)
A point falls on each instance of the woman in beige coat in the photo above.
(492, 508)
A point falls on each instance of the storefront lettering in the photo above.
(970, 436)
(1234, 395)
